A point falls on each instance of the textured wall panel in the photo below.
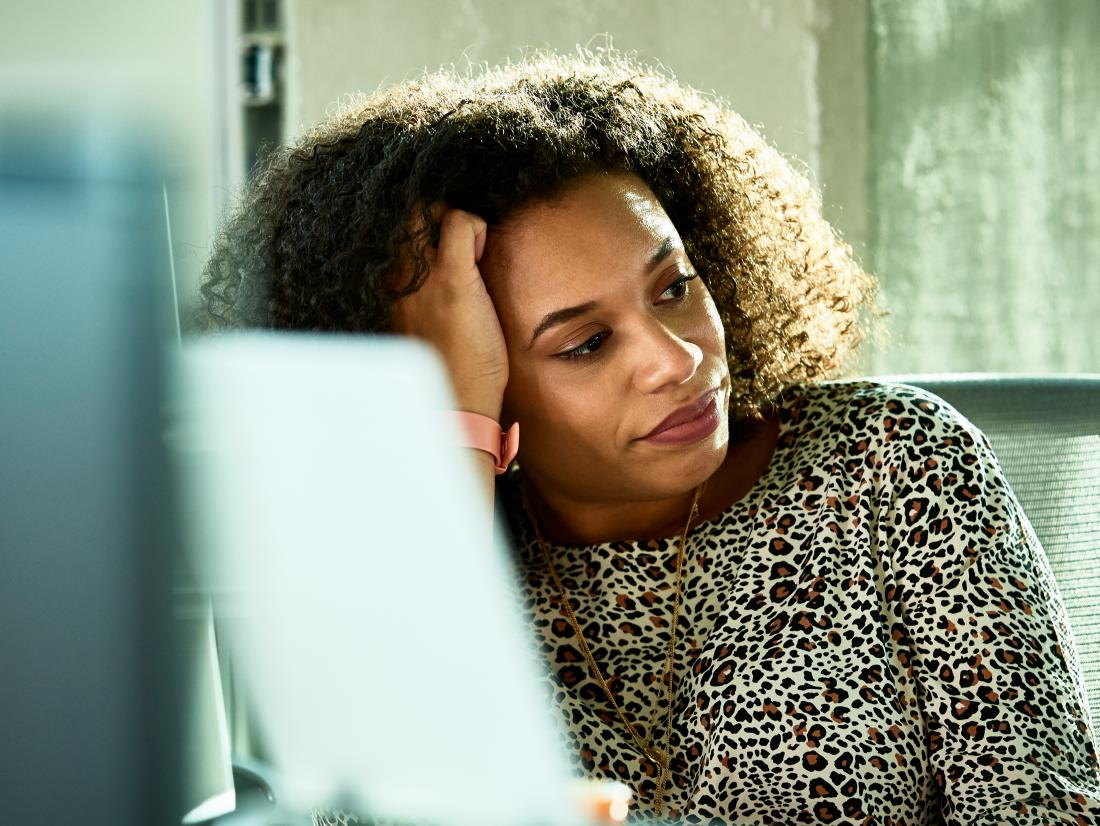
(984, 173)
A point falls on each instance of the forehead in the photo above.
(548, 255)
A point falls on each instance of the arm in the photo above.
(487, 474)
(452, 312)
(999, 688)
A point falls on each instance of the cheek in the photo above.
(558, 412)
(541, 397)
(712, 328)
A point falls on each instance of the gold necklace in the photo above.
(661, 757)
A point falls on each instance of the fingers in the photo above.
(462, 237)
(461, 240)
(479, 241)
(452, 309)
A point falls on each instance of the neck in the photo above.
(566, 521)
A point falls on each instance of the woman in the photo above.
(761, 596)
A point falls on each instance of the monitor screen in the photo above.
(85, 583)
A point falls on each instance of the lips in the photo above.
(685, 413)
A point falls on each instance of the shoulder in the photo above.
(934, 484)
(893, 443)
(881, 413)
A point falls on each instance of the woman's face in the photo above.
(637, 342)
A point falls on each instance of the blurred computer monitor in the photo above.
(348, 546)
(87, 725)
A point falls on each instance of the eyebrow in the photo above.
(667, 246)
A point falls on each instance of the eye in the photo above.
(681, 287)
(588, 348)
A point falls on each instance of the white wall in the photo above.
(759, 55)
(794, 68)
(148, 63)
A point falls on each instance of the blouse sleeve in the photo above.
(993, 661)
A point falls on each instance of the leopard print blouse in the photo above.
(871, 635)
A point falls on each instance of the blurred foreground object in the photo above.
(88, 697)
(348, 548)
(605, 802)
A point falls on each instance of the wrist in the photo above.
(483, 460)
(480, 406)
(481, 398)
(484, 433)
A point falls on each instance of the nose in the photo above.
(664, 358)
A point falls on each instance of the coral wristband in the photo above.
(483, 433)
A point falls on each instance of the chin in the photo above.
(695, 466)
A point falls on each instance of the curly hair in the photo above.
(315, 239)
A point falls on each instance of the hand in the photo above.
(452, 311)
